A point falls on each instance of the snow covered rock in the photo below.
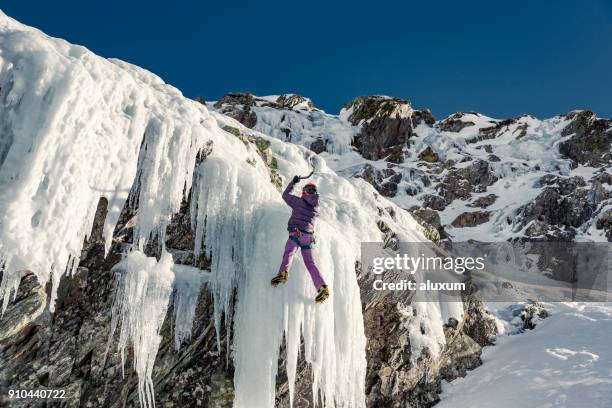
(395, 378)
(471, 219)
(385, 124)
(590, 139)
(238, 106)
(459, 121)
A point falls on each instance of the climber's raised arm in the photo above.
(289, 198)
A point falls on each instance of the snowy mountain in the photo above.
(467, 176)
(138, 234)
(139, 231)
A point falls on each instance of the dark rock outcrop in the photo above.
(590, 139)
(385, 181)
(564, 205)
(484, 201)
(498, 128)
(319, 146)
(394, 378)
(461, 183)
(291, 101)
(238, 106)
(455, 123)
(430, 220)
(604, 222)
(428, 155)
(386, 125)
(470, 219)
(434, 202)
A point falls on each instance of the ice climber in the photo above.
(305, 210)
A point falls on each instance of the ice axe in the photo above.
(311, 161)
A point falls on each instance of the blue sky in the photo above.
(500, 58)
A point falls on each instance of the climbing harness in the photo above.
(295, 233)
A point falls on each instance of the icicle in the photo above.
(187, 285)
(143, 299)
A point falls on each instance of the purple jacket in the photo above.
(305, 209)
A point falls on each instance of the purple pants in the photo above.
(291, 248)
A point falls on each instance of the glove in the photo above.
(296, 179)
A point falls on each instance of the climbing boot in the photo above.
(282, 277)
(322, 295)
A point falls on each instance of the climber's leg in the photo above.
(283, 271)
(315, 274)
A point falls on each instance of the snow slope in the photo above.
(77, 127)
(566, 361)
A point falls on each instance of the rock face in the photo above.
(71, 348)
(484, 202)
(455, 123)
(604, 222)
(434, 202)
(397, 380)
(461, 183)
(293, 101)
(385, 181)
(386, 125)
(590, 139)
(563, 205)
(238, 106)
(470, 219)
(430, 220)
(319, 146)
(428, 155)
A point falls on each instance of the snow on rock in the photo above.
(291, 118)
(565, 361)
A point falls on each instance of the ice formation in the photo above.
(307, 126)
(142, 300)
(77, 127)
(187, 285)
